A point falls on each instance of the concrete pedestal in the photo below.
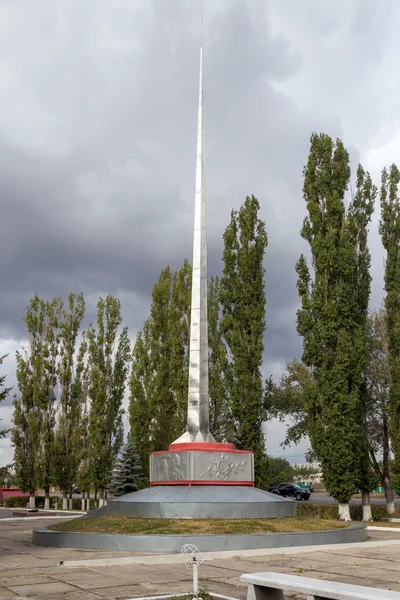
(202, 464)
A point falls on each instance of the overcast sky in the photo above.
(97, 143)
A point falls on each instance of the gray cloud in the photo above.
(97, 139)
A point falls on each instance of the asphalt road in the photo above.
(323, 498)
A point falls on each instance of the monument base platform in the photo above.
(199, 502)
(202, 463)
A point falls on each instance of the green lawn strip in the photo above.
(133, 525)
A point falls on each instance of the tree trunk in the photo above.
(344, 511)
(65, 501)
(101, 499)
(366, 506)
(389, 497)
(88, 502)
(47, 498)
(386, 472)
(32, 500)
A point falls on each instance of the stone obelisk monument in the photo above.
(198, 404)
(195, 457)
(198, 477)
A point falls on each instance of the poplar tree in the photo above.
(162, 401)
(332, 318)
(359, 217)
(139, 398)
(47, 390)
(108, 358)
(83, 446)
(34, 403)
(243, 325)
(65, 443)
(221, 420)
(4, 393)
(389, 228)
(378, 416)
(179, 336)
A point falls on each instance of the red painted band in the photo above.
(189, 483)
(208, 446)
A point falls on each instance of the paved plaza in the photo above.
(32, 572)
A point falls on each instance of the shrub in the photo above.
(22, 501)
(331, 511)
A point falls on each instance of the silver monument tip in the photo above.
(197, 429)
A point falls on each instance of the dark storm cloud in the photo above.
(98, 130)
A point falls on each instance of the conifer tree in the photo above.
(389, 228)
(108, 370)
(243, 325)
(332, 318)
(128, 475)
(4, 393)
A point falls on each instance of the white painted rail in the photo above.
(271, 586)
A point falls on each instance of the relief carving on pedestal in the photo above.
(223, 469)
(172, 467)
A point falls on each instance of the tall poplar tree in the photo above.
(179, 335)
(378, 381)
(243, 325)
(139, 398)
(162, 401)
(108, 370)
(359, 217)
(82, 443)
(65, 450)
(389, 228)
(222, 424)
(47, 391)
(34, 403)
(332, 318)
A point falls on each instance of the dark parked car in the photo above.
(290, 490)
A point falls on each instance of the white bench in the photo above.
(270, 586)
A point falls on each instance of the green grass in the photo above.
(133, 525)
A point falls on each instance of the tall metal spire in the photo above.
(198, 400)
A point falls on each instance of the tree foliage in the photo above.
(389, 228)
(128, 474)
(34, 405)
(243, 325)
(332, 317)
(65, 452)
(108, 369)
(279, 471)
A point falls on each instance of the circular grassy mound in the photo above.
(143, 526)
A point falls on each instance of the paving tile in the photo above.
(77, 595)
(4, 593)
(88, 581)
(56, 587)
(122, 592)
(23, 579)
